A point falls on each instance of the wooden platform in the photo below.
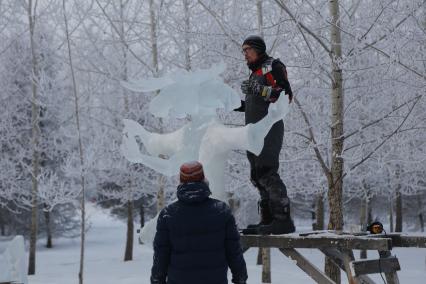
(339, 246)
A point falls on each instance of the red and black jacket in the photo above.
(269, 72)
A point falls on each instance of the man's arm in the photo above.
(279, 72)
(234, 253)
(162, 250)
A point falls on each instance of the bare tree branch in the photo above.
(382, 118)
(320, 159)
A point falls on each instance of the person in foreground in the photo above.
(197, 238)
(268, 80)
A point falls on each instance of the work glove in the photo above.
(252, 86)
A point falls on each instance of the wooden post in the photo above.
(391, 277)
(266, 268)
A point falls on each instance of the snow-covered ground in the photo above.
(104, 260)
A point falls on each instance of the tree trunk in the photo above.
(35, 142)
(142, 216)
(187, 34)
(154, 44)
(80, 148)
(2, 223)
(363, 223)
(128, 255)
(337, 112)
(259, 17)
(398, 209)
(420, 214)
(320, 212)
(365, 219)
(128, 252)
(314, 214)
(48, 228)
(391, 215)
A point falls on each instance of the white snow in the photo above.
(105, 265)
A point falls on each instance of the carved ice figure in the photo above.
(205, 139)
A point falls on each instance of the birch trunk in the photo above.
(398, 210)
(337, 103)
(260, 17)
(2, 223)
(319, 214)
(420, 212)
(154, 41)
(80, 149)
(187, 33)
(128, 254)
(48, 229)
(154, 51)
(391, 215)
(35, 112)
(142, 216)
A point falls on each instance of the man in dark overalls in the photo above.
(267, 82)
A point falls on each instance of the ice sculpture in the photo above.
(12, 262)
(198, 94)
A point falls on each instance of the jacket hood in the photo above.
(193, 192)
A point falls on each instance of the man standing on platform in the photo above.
(266, 83)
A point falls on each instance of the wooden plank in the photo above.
(391, 277)
(401, 240)
(337, 257)
(385, 265)
(304, 264)
(316, 241)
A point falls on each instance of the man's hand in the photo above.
(290, 97)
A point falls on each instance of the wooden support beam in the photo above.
(384, 265)
(304, 264)
(391, 277)
(400, 240)
(339, 259)
(347, 257)
(317, 241)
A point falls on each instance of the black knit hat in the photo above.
(257, 43)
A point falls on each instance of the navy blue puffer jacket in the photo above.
(197, 240)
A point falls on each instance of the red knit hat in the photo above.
(191, 172)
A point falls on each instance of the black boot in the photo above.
(265, 214)
(277, 227)
(282, 222)
(265, 218)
